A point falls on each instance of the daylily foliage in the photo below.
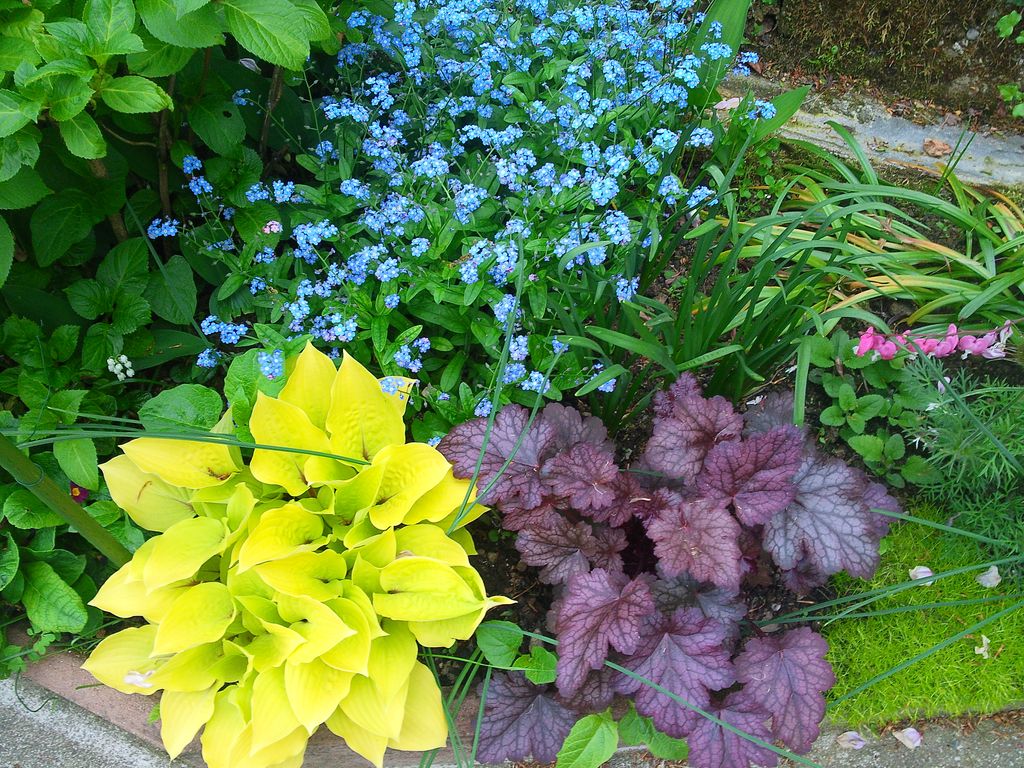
(292, 591)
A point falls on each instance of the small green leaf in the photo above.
(895, 448)
(9, 559)
(218, 123)
(856, 422)
(89, 298)
(132, 94)
(78, 460)
(6, 251)
(15, 112)
(172, 291)
(58, 222)
(24, 189)
(82, 137)
(918, 471)
(499, 642)
(187, 6)
(868, 446)
(106, 19)
(131, 311)
(68, 96)
(63, 342)
(23, 510)
(52, 605)
(201, 28)
(847, 398)
(540, 665)
(870, 406)
(590, 743)
(187, 405)
(125, 267)
(833, 416)
(159, 59)
(270, 29)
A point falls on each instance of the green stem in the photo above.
(28, 474)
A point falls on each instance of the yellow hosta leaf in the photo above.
(317, 575)
(124, 661)
(362, 532)
(274, 647)
(424, 725)
(325, 471)
(362, 419)
(309, 384)
(443, 632)
(224, 728)
(368, 708)
(124, 594)
(182, 549)
(461, 535)
(410, 471)
(423, 589)
(275, 422)
(321, 627)
(359, 740)
(392, 658)
(284, 753)
(460, 518)
(280, 533)
(184, 463)
(200, 667)
(353, 493)
(238, 510)
(182, 714)
(351, 654)
(315, 690)
(379, 549)
(200, 615)
(441, 500)
(149, 501)
(272, 715)
(248, 583)
(430, 541)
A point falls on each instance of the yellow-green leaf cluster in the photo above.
(292, 592)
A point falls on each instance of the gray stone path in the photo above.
(992, 159)
(40, 728)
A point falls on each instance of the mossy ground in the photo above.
(953, 681)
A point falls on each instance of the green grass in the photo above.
(954, 680)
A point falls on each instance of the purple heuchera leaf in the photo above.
(584, 476)
(631, 498)
(519, 485)
(596, 693)
(521, 519)
(598, 610)
(877, 497)
(774, 410)
(569, 427)
(685, 653)
(692, 427)
(828, 527)
(787, 675)
(699, 538)
(755, 475)
(722, 605)
(683, 387)
(558, 548)
(522, 720)
(712, 746)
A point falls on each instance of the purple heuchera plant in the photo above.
(648, 564)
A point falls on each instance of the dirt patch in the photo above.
(947, 51)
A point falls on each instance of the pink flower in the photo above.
(887, 350)
(272, 226)
(868, 341)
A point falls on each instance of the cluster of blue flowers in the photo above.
(504, 139)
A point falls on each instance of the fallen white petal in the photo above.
(909, 737)
(850, 740)
(982, 650)
(728, 103)
(989, 578)
(139, 679)
(922, 572)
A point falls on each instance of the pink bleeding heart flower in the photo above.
(869, 340)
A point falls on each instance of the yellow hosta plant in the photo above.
(293, 592)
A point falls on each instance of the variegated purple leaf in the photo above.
(664, 402)
(712, 746)
(787, 674)
(772, 411)
(693, 427)
(516, 486)
(599, 610)
(755, 474)
(828, 527)
(559, 548)
(698, 538)
(686, 654)
(522, 720)
(570, 427)
(584, 476)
